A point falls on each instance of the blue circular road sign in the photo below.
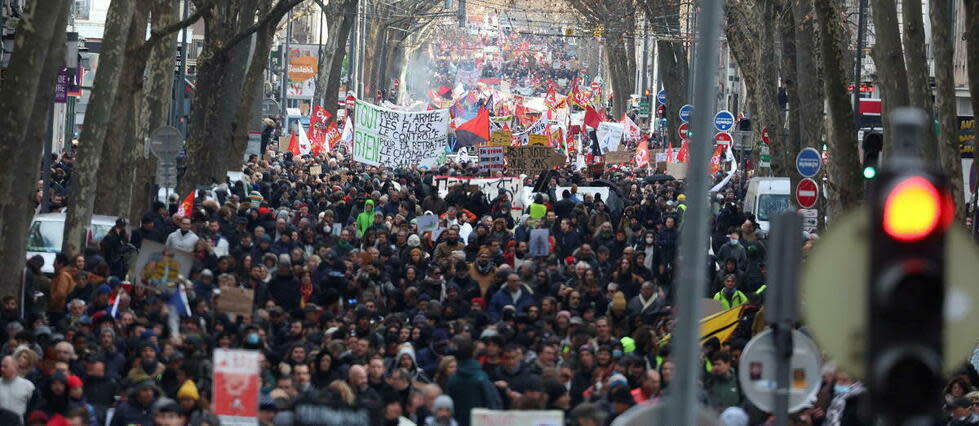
(661, 96)
(685, 112)
(723, 121)
(808, 162)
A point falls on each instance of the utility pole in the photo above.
(179, 89)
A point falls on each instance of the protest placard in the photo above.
(532, 159)
(236, 386)
(540, 140)
(484, 417)
(235, 300)
(609, 136)
(490, 187)
(399, 139)
(284, 143)
(539, 247)
(501, 138)
(427, 223)
(491, 158)
(315, 170)
(619, 157)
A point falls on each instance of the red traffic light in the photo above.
(914, 209)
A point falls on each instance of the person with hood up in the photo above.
(469, 385)
(406, 361)
(441, 412)
(138, 409)
(365, 219)
(284, 286)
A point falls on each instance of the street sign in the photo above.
(808, 162)
(723, 138)
(661, 110)
(810, 219)
(685, 112)
(836, 296)
(351, 101)
(644, 109)
(594, 86)
(661, 96)
(683, 131)
(166, 142)
(756, 371)
(806, 193)
(764, 157)
(723, 121)
(764, 136)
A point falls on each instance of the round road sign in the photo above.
(661, 96)
(351, 102)
(594, 86)
(723, 121)
(723, 138)
(756, 371)
(808, 162)
(764, 135)
(685, 112)
(682, 130)
(661, 110)
(806, 193)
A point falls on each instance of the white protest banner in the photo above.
(609, 136)
(484, 417)
(490, 187)
(491, 158)
(236, 386)
(539, 246)
(537, 128)
(398, 139)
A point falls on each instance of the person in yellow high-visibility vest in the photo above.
(538, 209)
(729, 296)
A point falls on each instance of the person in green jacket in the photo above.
(470, 386)
(721, 384)
(729, 296)
(366, 218)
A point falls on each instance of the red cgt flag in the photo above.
(186, 208)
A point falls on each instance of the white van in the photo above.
(47, 231)
(766, 198)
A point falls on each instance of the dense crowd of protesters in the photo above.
(358, 313)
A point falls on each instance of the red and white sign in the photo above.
(723, 138)
(351, 102)
(236, 386)
(870, 107)
(594, 86)
(806, 193)
(661, 110)
(764, 136)
(397, 84)
(683, 131)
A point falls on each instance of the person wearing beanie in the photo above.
(76, 394)
(148, 366)
(166, 412)
(139, 407)
(442, 411)
(187, 396)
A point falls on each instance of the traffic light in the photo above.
(873, 143)
(911, 211)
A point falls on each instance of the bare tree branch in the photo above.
(274, 15)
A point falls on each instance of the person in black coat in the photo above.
(115, 246)
(284, 287)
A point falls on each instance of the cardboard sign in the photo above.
(533, 159)
(619, 157)
(235, 300)
(236, 386)
(501, 138)
(539, 246)
(677, 170)
(284, 143)
(315, 170)
(399, 139)
(540, 140)
(427, 223)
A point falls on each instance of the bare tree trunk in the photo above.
(98, 118)
(889, 58)
(674, 73)
(16, 216)
(808, 76)
(790, 55)
(348, 16)
(116, 164)
(22, 82)
(919, 85)
(152, 106)
(949, 149)
(253, 78)
(846, 183)
(621, 75)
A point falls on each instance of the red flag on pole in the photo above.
(682, 155)
(186, 208)
(294, 145)
(592, 117)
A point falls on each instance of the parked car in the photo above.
(47, 233)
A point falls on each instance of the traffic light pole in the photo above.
(693, 250)
(783, 304)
